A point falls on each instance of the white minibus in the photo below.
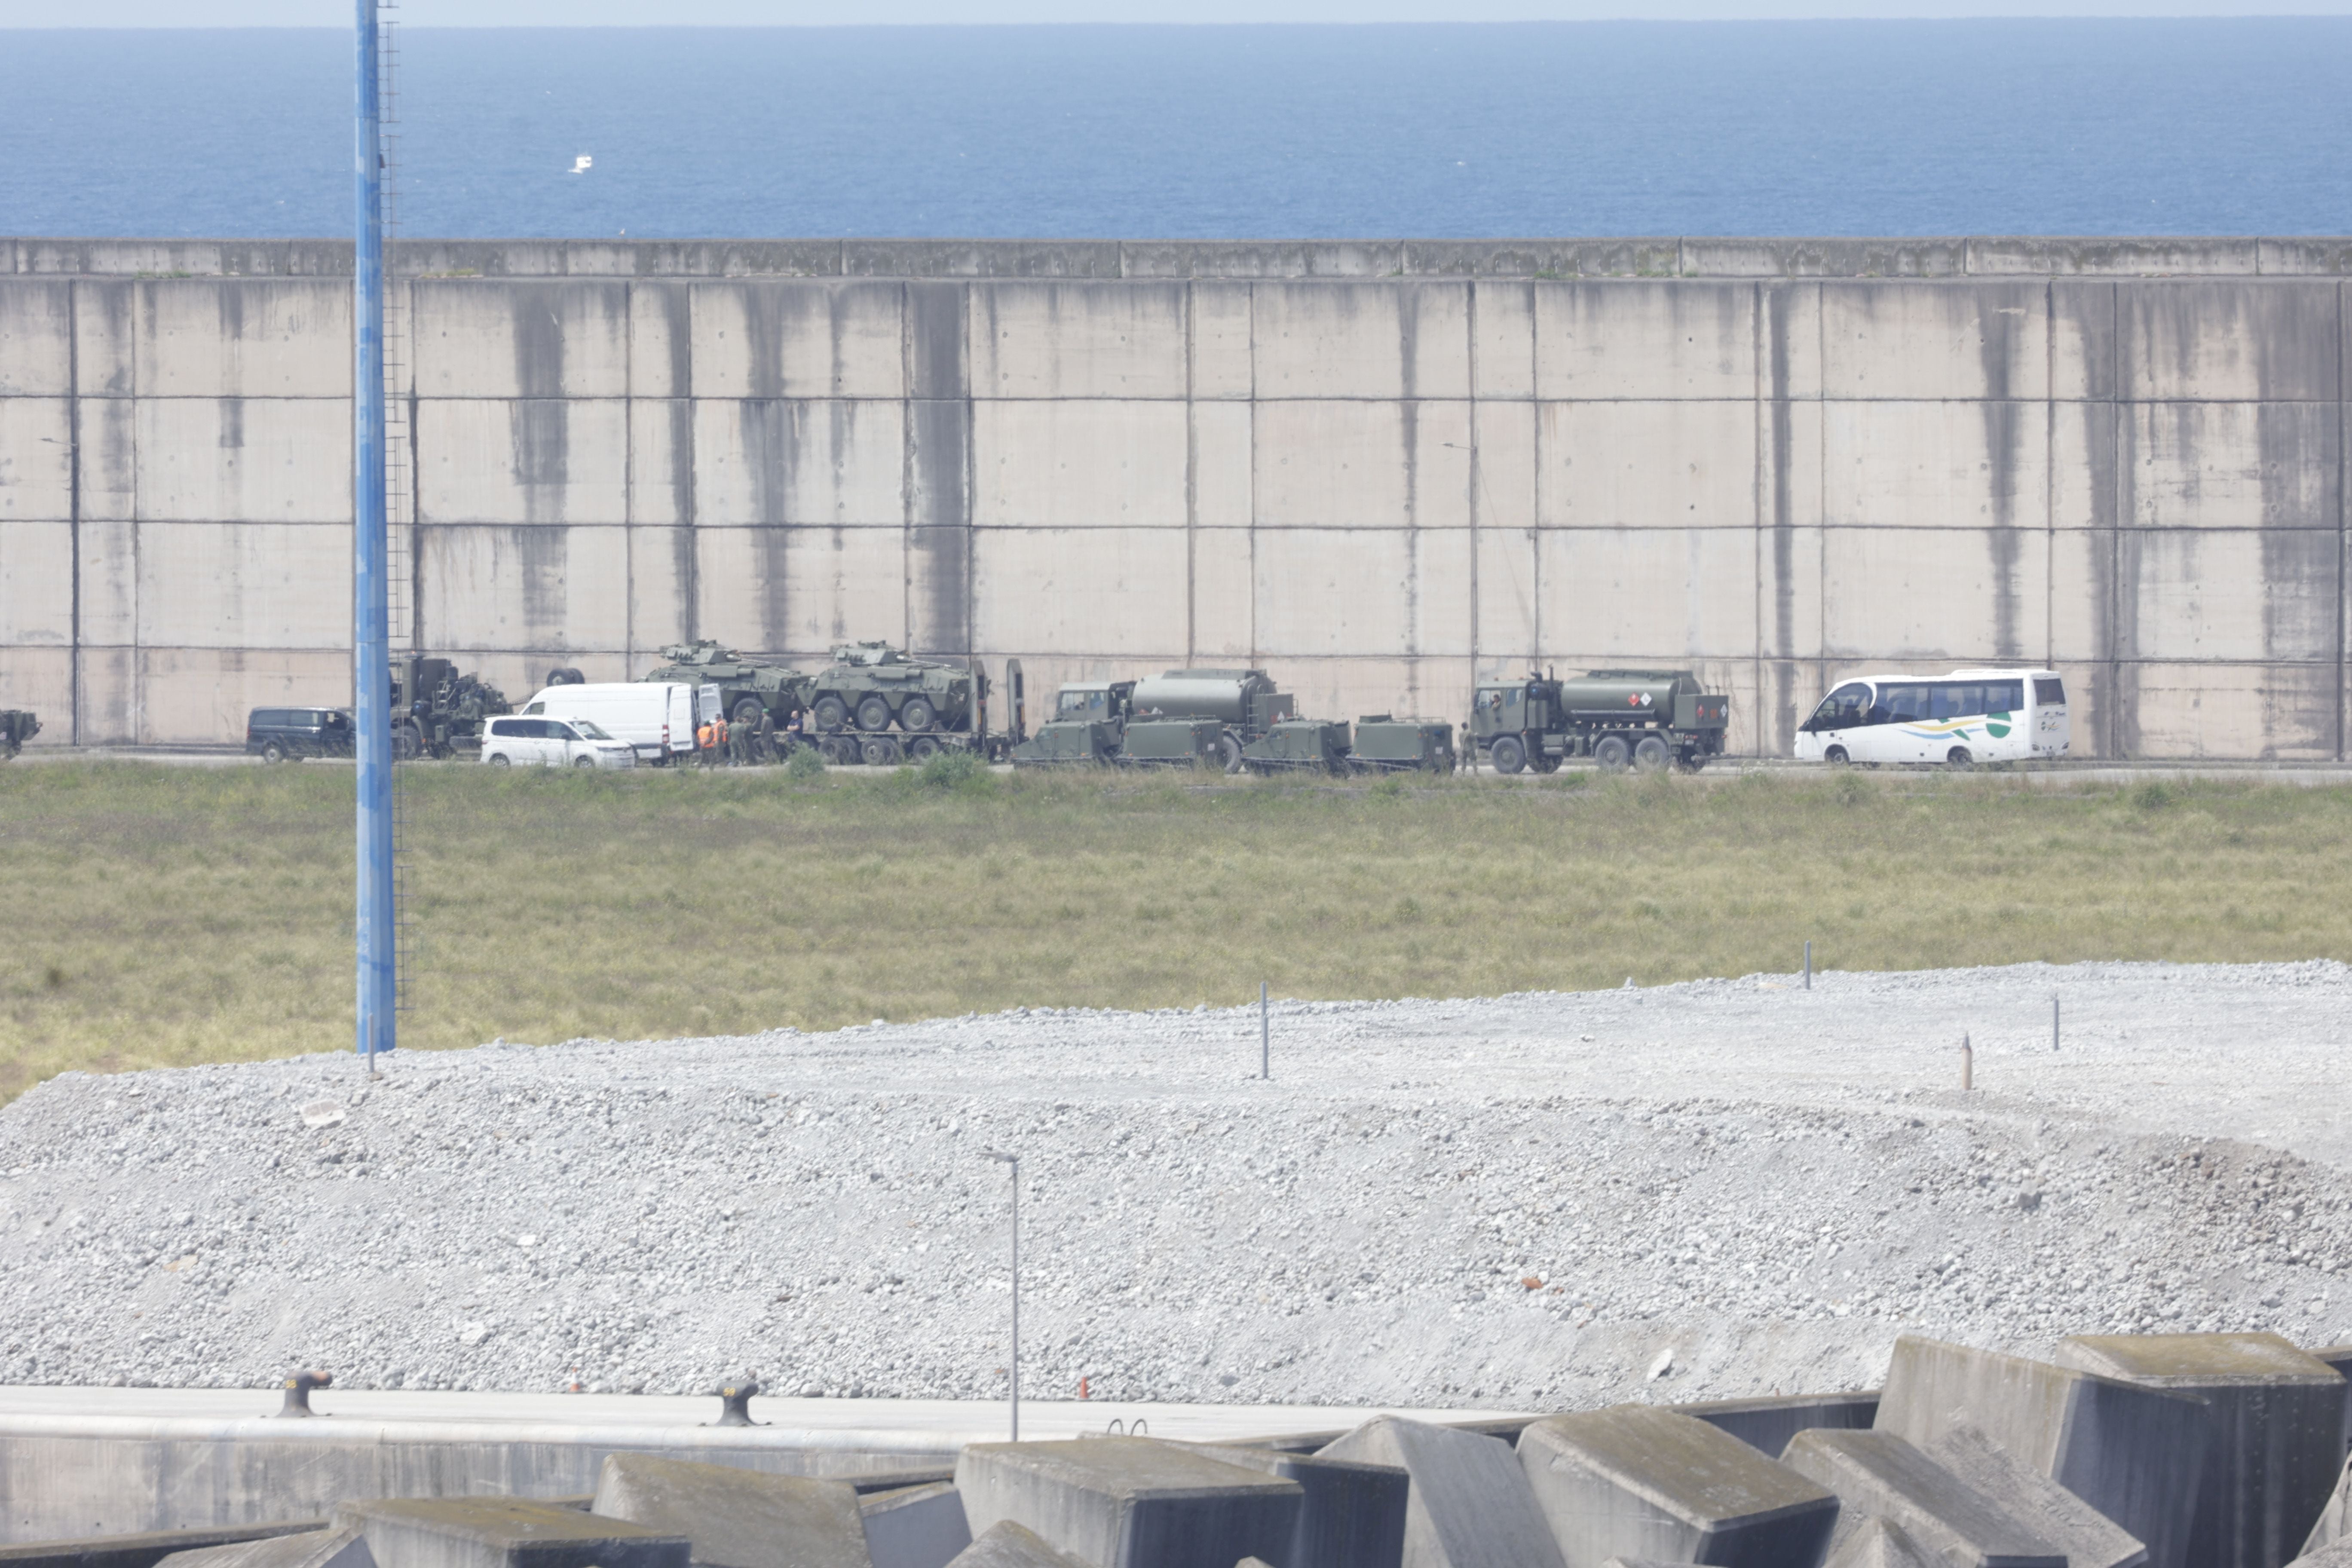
(1960, 720)
(656, 716)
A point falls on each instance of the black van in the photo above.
(288, 734)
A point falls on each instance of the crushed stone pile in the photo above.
(1698, 1191)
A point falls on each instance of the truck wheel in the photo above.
(1650, 754)
(923, 748)
(873, 713)
(271, 751)
(1611, 753)
(407, 744)
(879, 752)
(918, 714)
(1544, 764)
(1693, 760)
(830, 712)
(1837, 756)
(1510, 753)
(1959, 759)
(1229, 753)
(747, 712)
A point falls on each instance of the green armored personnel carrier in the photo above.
(1645, 718)
(439, 711)
(16, 727)
(748, 687)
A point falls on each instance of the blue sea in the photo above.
(1751, 127)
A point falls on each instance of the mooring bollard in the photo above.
(2054, 1024)
(1264, 1038)
(1809, 963)
(1967, 1065)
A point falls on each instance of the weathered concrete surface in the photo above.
(503, 1532)
(2335, 1523)
(915, 1527)
(2135, 1453)
(2089, 1538)
(1353, 1515)
(1874, 1542)
(1766, 1424)
(146, 1549)
(1637, 1480)
(1005, 1544)
(1877, 1474)
(1383, 468)
(2277, 1439)
(736, 1518)
(1129, 1502)
(313, 1549)
(1470, 1507)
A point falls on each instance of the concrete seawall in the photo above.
(1379, 469)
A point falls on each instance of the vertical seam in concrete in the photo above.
(137, 674)
(73, 502)
(415, 478)
(971, 507)
(2050, 473)
(1821, 487)
(907, 461)
(692, 521)
(2111, 722)
(1252, 661)
(1470, 498)
(1535, 488)
(628, 479)
(1756, 496)
(1191, 476)
(2339, 523)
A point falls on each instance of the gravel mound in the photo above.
(1700, 1191)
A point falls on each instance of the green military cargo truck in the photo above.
(438, 710)
(1647, 719)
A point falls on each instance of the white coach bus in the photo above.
(1960, 720)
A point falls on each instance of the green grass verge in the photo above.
(163, 915)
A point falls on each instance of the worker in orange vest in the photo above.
(718, 739)
(702, 740)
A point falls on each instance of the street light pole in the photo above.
(1014, 1161)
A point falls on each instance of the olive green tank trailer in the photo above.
(1384, 744)
(1646, 719)
(438, 710)
(1294, 745)
(16, 727)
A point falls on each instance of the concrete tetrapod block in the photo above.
(1877, 1544)
(736, 1518)
(2135, 1453)
(2274, 1444)
(1005, 1544)
(2089, 1538)
(144, 1549)
(915, 1527)
(2336, 1556)
(2335, 1522)
(1766, 1424)
(1470, 1507)
(1129, 1503)
(1639, 1481)
(1353, 1514)
(1879, 1473)
(316, 1548)
(503, 1532)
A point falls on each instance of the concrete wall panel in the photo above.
(1078, 340)
(1070, 464)
(1646, 341)
(837, 585)
(1936, 464)
(768, 462)
(661, 339)
(1347, 689)
(35, 337)
(1098, 592)
(2231, 465)
(1222, 575)
(1224, 367)
(41, 680)
(1366, 592)
(536, 460)
(2233, 595)
(1361, 339)
(2236, 340)
(2283, 712)
(1646, 465)
(108, 429)
(661, 593)
(1223, 466)
(2083, 333)
(246, 337)
(259, 460)
(245, 585)
(1618, 591)
(202, 696)
(766, 338)
(35, 557)
(1362, 465)
(35, 458)
(2081, 610)
(110, 582)
(1503, 346)
(110, 697)
(1935, 342)
(1972, 596)
(661, 460)
(105, 338)
(534, 588)
(520, 338)
(1506, 633)
(1503, 484)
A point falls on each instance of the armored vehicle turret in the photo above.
(748, 686)
(16, 727)
(1648, 718)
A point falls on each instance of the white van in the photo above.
(1960, 720)
(553, 743)
(656, 716)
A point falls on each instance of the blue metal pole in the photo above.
(370, 620)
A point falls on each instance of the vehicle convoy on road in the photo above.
(16, 727)
(439, 711)
(873, 704)
(1647, 719)
(655, 717)
(1957, 720)
(1182, 717)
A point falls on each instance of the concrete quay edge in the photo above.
(1725, 258)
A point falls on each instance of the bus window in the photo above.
(2049, 691)
(2005, 697)
(1901, 704)
(1841, 709)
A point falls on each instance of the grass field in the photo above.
(163, 915)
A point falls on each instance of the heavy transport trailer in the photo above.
(1182, 717)
(1380, 744)
(1646, 719)
(873, 704)
(16, 727)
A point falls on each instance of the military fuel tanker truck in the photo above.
(1644, 717)
(1185, 717)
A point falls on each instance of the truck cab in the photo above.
(1097, 701)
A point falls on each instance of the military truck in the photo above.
(1186, 716)
(16, 727)
(1644, 717)
(437, 711)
